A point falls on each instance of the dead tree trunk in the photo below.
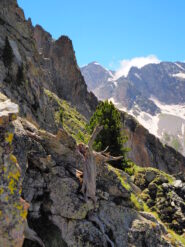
(89, 167)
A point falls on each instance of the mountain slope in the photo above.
(50, 171)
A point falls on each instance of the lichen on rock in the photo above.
(13, 209)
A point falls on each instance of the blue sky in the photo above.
(109, 31)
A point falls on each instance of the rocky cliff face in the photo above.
(13, 209)
(20, 74)
(25, 72)
(65, 79)
(157, 188)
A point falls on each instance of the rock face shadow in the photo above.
(47, 231)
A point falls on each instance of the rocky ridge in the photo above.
(24, 72)
(64, 77)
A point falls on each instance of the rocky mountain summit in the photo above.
(164, 81)
(153, 94)
(58, 57)
(41, 171)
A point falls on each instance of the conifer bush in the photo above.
(109, 117)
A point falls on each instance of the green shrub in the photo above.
(109, 117)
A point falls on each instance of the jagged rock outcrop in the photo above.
(147, 150)
(20, 74)
(13, 209)
(64, 77)
(24, 72)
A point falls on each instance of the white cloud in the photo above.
(139, 62)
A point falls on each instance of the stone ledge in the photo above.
(8, 110)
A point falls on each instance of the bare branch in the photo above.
(102, 152)
(112, 158)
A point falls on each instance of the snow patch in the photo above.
(110, 73)
(138, 76)
(115, 83)
(96, 63)
(178, 65)
(118, 105)
(183, 129)
(149, 122)
(110, 79)
(176, 110)
(179, 75)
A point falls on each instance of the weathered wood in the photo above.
(89, 165)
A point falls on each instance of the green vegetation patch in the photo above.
(120, 176)
(69, 118)
(136, 171)
(141, 201)
(175, 238)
